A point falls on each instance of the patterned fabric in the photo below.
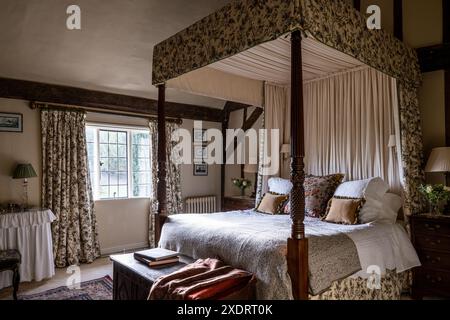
(246, 23)
(272, 203)
(66, 187)
(343, 210)
(318, 191)
(412, 149)
(392, 285)
(173, 178)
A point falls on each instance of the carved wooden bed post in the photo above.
(161, 184)
(297, 250)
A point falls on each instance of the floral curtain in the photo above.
(66, 187)
(173, 180)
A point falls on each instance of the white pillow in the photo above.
(280, 186)
(392, 201)
(374, 187)
(372, 190)
(391, 204)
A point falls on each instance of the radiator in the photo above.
(203, 204)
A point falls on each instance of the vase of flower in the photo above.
(435, 195)
(242, 184)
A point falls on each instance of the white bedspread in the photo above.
(385, 246)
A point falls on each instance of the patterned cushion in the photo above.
(272, 203)
(318, 191)
(343, 210)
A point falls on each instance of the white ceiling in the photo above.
(112, 52)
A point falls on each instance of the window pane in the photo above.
(123, 178)
(103, 150)
(104, 179)
(122, 150)
(140, 164)
(113, 164)
(103, 136)
(113, 150)
(144, 152)
(113, 158)
(123, 191)
(104, 164)
(123, 164)
(112, 137)
(113, 192)
(104, 192)
(122, 138)
(113, 178)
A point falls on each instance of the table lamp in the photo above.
(252, 168)
(439, 161)
(24, 171)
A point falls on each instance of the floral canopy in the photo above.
(244, 24)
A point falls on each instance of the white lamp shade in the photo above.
(285, 148)
(251, 168)
(439, 160)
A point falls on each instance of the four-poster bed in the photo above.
(242, 25)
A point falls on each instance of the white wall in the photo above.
(200, 185)
(20, 148)
(234, 171)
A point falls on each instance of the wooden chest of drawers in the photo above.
(431, 238)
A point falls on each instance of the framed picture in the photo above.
(200, 153)
(11, 122)
(200, 169)
(199, 135)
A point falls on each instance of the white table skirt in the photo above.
(30, 233)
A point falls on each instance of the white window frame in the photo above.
(96, 180)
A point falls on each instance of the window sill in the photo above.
(121, 199)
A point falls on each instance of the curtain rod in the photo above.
(64, 107)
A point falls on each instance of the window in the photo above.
(119, 162)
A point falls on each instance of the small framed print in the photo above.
(200, 169)
(200, 153)
(11, 122)
(199, 135)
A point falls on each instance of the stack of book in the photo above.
(157, 257)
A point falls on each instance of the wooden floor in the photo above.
(98, 269)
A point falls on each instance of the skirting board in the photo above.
(121, 249)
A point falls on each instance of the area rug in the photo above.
(97, 289)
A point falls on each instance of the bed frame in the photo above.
(172, 59)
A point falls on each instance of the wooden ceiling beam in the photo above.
(57, 94)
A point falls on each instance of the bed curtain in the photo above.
(173, 180)
(350, 121)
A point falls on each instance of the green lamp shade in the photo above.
(24, 171)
